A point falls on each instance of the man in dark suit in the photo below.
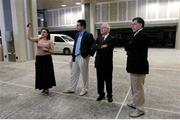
(80, 58)
(104, 46)
(137, 65)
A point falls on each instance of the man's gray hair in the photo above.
(105, 25)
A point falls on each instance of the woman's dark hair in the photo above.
(48, 36)
(82, 23)
(139, 20)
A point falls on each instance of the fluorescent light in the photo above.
(78, 3)
(42, 19)
(63, 5)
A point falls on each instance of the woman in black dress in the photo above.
(45, 77)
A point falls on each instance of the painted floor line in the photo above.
(123, 104)
(160, 110)
(121, 66)
(90, 98)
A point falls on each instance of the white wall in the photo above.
(119, 12)
(125, 10)
(63, 16)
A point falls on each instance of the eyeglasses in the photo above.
(133, 24)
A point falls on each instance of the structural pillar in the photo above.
(13, 22)
(19, 33)
(31, 17)
(7, 31)
(89, 16)
(23, 12)
(93, 19)
(177, 43)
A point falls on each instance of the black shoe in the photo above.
(110, 99)
(100, 98)
(43, 91)
(69, 92)
(131, 105)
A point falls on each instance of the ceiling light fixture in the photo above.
(78, 3)
(63, 5)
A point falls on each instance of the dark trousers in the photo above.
(104, 75)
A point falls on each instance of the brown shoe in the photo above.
(46, 92)
(136, 113)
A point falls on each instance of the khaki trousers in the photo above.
(1, 52)
(137, 88)
(79, 68)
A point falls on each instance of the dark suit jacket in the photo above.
(137, 53)
(86, 44)
(104, 56)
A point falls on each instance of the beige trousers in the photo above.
(80, 68)
(137, 88)
(1, 52)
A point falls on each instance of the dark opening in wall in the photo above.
(158, 37)
(41, 18)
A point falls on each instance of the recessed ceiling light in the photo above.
(63, 5)
(78, 3)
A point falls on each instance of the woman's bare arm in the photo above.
(51, 49)
(30, 35)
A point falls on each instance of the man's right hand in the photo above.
(104, 46)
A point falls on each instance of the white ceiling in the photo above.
(52, 4)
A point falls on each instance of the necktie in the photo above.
(102, 40)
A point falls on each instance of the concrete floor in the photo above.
(19, 99)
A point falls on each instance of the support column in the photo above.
(33, 14)
(18, 23)
(83, 11)
(7, 31)
(34, 20)
(16, 47)
(90, 17)
(2, 27)
(93, 19)
(177, 43)
(87, 16)
(23, 12)
(31, 17)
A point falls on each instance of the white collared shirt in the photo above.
(137, 32)
(105, 36)
(78, 44)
